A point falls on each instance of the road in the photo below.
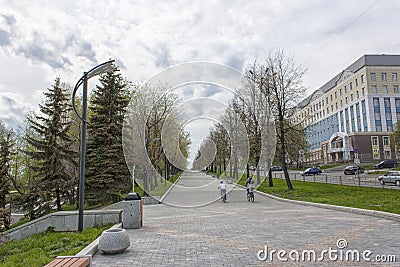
(233, 233)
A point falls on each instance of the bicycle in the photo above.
(223, 195)
(250, 195)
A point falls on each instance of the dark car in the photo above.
(312, 171)
(353, 170)
(276, 168)
(387, 163)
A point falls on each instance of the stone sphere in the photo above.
(113, 241)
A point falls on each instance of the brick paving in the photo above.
(231, 234)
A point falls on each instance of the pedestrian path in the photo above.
(232, 233)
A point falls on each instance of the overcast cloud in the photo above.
(41, 40)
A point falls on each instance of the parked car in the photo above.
(352, 169)
(276, 168)
(387, 163)
(312, 171)
(391, 178)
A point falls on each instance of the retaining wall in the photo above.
(64, 221)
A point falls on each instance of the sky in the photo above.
(42, 40)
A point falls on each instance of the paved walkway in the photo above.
(232, 233)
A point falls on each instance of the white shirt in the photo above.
(222, 186)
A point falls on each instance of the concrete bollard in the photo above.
(132, 215)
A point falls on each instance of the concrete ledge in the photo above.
(64, 221)
(380, 214)
(93, 247)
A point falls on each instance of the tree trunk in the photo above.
(270, 181)
(283, 151)
(58, 199)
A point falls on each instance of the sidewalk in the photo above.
(231, 234)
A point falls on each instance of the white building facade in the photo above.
(354, 113)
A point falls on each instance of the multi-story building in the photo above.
(353, 114)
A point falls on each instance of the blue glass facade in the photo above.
(353, 122)
(377, 114)
(358, 117)
(364, 115)
(388, 114)
(322, 130)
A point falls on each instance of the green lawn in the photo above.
(162, 187)
(381, 199)
(40, 249)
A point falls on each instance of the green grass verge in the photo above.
(380, 199)
(40, 249)
(162, 187)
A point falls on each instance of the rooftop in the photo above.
(365, 60)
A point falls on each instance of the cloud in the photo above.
(64, 38)
(4, 38)
(12, 109)
(10, 20)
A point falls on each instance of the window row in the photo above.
(385, 90)
(383, 76)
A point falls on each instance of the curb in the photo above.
(375, 213)
(93, 248)
(169, 190)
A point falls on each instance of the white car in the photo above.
(390, 177)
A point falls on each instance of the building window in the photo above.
(363, 91)
(356, 82)
(331, 108)
(335, 95)
(352, 97)
(358, 117)
(377, 114)
(386, 141)
(373, 76)
(353, 122)
(362, 78)
(385, 89)
(326, 100)
(364, 115)
(341, 103)
(387, 154)
(373, 89)
(376, 102)
(388, 114)
(351, 86)
(340, 91)
(358, 95)
(383, 75)
(395, 89)
(346, 100)
(394, 76)
(374, 140)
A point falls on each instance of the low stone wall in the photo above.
(64, 221)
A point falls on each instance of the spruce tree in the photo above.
(6, 144)
(107, 175)
(51, 144)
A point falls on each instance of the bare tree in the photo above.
(286, 89)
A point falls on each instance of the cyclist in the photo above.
(249, 183)
(222, 187)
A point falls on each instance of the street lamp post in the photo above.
(99, 69)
